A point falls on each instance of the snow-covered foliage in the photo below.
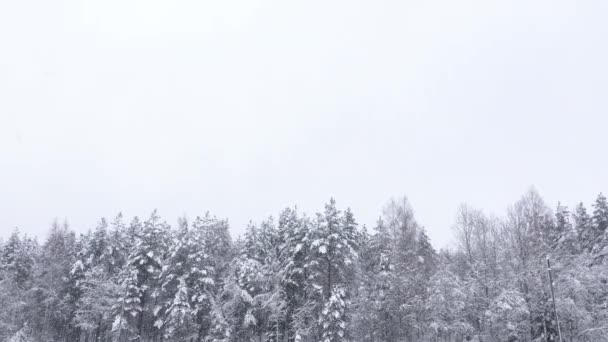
(313, 279)
(447, 303)
(333, 317)
(508, 314)
(22, 335)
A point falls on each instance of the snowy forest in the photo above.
(309, 278)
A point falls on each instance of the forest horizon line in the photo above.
(65, 221)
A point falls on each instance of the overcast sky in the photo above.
(243, 107)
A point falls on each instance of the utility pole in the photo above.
(559, 331)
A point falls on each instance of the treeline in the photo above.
(321, 278)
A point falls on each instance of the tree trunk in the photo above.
(328, 279)
(140, 324)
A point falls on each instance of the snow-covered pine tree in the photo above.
(599, 223)
(255, 289)
(292, 258)
(118, 248)
(98, 244)
(244, 282)
(333, 317)
(95, 273)
(426, 265)
(401, 223)
(218, 244)
(583, 228)
(330, 261)
(333, 248)
(564, 242)
(18, 258)
(427, 256)
(271, 303)
(104, 256)
(382, 283)
(55, 300)
(251, 244)
(95, 302)
(127, 306)
(17, 265)
(187, 285)
(141, 283)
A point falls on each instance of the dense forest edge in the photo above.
(300, 278)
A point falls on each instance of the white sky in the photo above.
(243, 107)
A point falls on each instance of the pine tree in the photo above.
(219, 245)
(292, 259)
(141, 278)
(330, 261)
(427, 257)
(363, 310)
(244, 282)
(425, 268)
(17, 267)
(187, 285)
(333, 317)
(583, 228)
(118, 249)
(333, 247)
(18, 259)
(599, 223)
(128, 304)
(98, 245)
(55, 292)
(563, 239)
(98, 278)
(382, 282)
(97, 295)
(404, 229)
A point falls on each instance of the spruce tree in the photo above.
(564, 240)
(141, 280)
(599, 223)
(292, 261)
(333, 250)
(583, 228)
